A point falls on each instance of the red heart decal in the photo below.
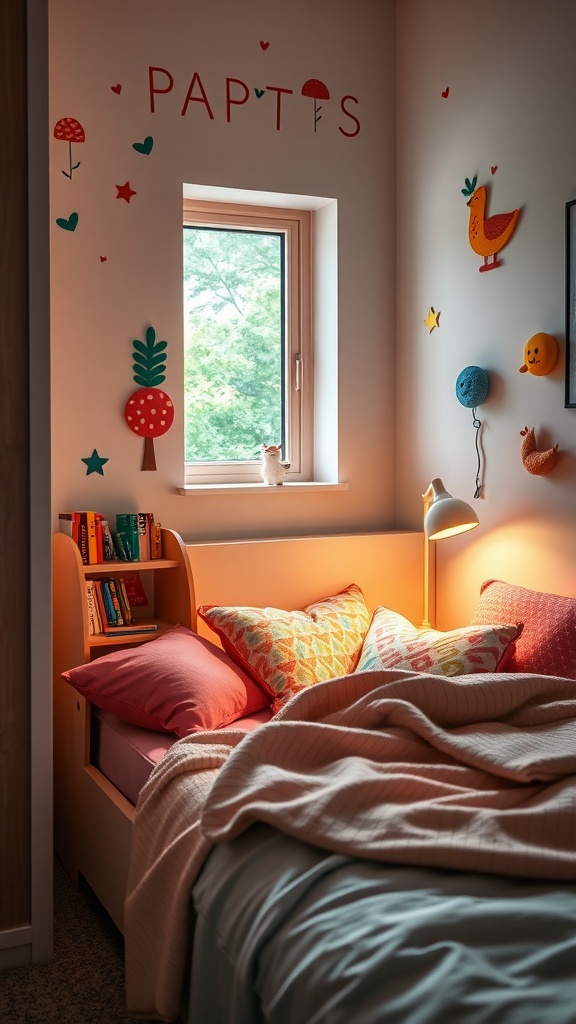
(494, 168)
(103, 259)
(264, 45)
(445, 92)
(117, 89)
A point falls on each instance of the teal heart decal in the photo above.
(144, 147)
(70, 224)
(259, 93)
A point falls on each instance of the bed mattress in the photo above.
(126, 753)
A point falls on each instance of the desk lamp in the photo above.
(444, 516)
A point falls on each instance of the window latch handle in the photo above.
(298, 372)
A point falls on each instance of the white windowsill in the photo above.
(190, 490)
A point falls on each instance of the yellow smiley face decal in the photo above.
(540, 354)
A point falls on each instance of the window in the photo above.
(247, 345)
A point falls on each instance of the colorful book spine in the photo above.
(98, 520)
(100, 602)
(108, 603)
(127, 529)
(124, 602)
(88, 536)
(107, 542)
(91, 605)
(83, 538)
(144, 523)
(111, 586)
(155, 540)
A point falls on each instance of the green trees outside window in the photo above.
(234, 342)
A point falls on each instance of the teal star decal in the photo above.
(95, 464)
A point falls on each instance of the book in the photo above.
(123, 546)
(100, 602)
(155, 540)
(107, 542)
(92, 608)
(68, 524)
(145, 520)
(124, 601)
(137, 628)
(137, 596)
(88, 544)
(108, 604)
(127, 529)
(83, 538)
(98, 519)
(111, 584)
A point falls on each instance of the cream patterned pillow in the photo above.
(285, 652)
(393, 642)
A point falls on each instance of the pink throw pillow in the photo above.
(179, 682)
(547, 642)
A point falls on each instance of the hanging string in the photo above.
(477, 424)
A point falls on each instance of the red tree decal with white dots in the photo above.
(149, 411)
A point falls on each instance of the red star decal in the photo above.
(125, 192)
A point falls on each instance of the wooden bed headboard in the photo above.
(292, 572)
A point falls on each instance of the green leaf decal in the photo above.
(149, 360)
(148, 363)
(146, 382)
(469, 186)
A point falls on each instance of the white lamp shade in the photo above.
(446, 516)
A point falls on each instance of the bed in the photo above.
(93, 817)
(396, 843)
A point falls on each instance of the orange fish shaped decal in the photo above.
(488, 235)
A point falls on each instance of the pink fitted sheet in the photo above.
(126, 754)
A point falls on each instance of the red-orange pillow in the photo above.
(178, 683)
(547, 642)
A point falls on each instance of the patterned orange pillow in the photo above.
(393, 642)
(287, 651)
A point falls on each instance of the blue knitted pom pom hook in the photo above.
(472, 387)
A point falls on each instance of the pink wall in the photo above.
(120, 269)
(509, 70)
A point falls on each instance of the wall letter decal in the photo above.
(229, 101)
(278, 90)
(151, 84)
(197, 99)
(349, 135)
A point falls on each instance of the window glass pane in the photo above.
(234, 342)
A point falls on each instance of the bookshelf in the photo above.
(171, 596)
(81, 793)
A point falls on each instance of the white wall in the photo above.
(509, 67)
(100, 306)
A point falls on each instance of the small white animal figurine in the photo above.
(272, 470)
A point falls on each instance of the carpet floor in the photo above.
(84, 983)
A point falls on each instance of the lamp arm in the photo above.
(427, 499)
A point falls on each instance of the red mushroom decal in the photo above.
(69, 130)
(317, 91)
(149, 411)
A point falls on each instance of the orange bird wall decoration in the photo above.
(487, 235)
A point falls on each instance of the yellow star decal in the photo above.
(431, 320)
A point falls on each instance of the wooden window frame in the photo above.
(296, 226)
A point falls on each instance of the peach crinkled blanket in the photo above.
(471, 772)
